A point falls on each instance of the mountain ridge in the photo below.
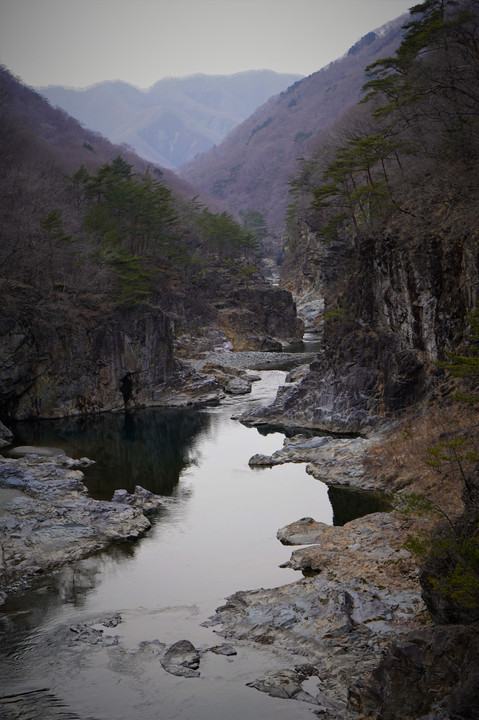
(252, 167)
(175, 118)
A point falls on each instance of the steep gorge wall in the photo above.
(396, 300)
(61, 361)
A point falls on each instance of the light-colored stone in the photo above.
(48, 519)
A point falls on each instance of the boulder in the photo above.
(302, 532)
(182, 659)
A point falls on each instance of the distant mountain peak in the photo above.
(174, 119)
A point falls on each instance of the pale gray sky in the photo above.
(82, 42)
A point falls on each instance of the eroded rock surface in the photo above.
(65, 361)
(182, 658)
(338, 626)
(335, 461)
(361, 592)
(47, 518)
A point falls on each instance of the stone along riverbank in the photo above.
(315, 640)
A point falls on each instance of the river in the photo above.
(216, 534)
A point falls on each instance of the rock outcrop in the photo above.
(396, 300)
(59, 361)
(260, 318)
(337, 624)
(48, 520)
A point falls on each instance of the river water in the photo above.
(214, 536)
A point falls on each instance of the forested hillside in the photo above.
(176, 118)
(252, 167)
(103, 259)
(78, 215)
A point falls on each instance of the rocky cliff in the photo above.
(395, 301)
(58, 360)
(61, 358)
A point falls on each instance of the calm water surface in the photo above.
(215, 535)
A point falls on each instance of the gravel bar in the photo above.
(253, 360)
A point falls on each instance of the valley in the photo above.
(157, 324)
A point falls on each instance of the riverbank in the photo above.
(357, 621)
(328, 631)
(47, 519)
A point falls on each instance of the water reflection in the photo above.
(349, 504)
(150, 448)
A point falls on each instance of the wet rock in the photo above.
(182, 658)
(144, 499)
(84, 633)
(94, 635)
(112, 621)
(225, 649)
(51, 521)
(285, 684)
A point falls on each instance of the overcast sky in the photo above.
(82, 42)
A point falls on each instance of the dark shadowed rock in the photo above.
(261, 318)
(440, 658)
(6, 435)
(63, 361)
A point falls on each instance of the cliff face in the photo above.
(260, 318)
(59, 358)
(58, 361)
(395, 301)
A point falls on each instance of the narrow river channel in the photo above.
(215, 535)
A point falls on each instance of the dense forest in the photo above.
(79, 218)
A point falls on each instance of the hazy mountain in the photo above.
(251, 168)
(176, 118)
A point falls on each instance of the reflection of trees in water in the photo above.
(149, 448)
(350, 504)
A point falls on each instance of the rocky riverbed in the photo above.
(47, 519)
(358, 597)
(361, 590)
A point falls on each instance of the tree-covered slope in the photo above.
(251, 168)
(101, 257)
